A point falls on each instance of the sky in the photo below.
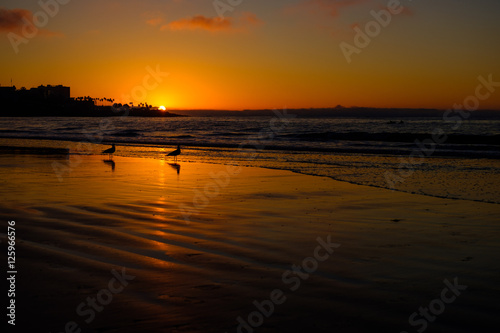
(254, 54)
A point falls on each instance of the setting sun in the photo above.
(162, 108)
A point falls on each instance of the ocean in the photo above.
(428, 156)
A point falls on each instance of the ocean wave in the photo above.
(230, 134)
(474, 139)
(182, 136)
(393, 137)
(127, 133)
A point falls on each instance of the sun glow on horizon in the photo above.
(162, 108)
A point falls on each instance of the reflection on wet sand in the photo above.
(110, 163)
(249, 236)
(176, 167)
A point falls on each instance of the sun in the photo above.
(162, 108)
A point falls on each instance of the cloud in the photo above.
(214, 24)
(155, 21)
(405, 11)
(200, 22)
(153, 18)
(15, 20)
(251, 18)
(332, 7)
(324, 10)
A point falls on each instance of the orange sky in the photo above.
(262, 54)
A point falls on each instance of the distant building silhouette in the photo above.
(11, 94)
(7, 93)
(55, 101)
(52, 92)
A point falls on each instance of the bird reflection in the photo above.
(176, 167)
(111, 163)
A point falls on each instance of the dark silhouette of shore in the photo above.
(55, 101)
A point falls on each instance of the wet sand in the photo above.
(196, 246)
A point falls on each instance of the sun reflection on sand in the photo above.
(161, 175)
(236, 246)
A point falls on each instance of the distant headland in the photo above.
(339, 112)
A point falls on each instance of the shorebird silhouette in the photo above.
(109, 151)
(175, 153)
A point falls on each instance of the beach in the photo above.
(141, 244)
(230, 166)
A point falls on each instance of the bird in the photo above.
(175, 153)
(109, 151)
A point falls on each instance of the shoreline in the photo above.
(201, 275)
(388, 151)
(458, 185)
